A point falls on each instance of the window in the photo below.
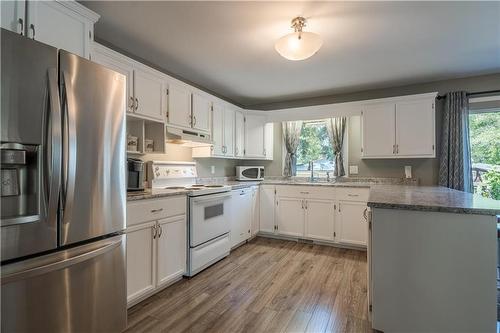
(484, 126)
(315, 146)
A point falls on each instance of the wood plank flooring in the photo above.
(266, 285)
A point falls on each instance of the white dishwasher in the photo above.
(240, 215)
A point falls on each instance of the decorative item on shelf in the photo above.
(132, 143)
(298, 45)
(149, 145)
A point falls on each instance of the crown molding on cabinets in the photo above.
(335, 109)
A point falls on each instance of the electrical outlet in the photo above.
(212, 169)
(353, 169)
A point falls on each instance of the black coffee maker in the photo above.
(135, 177)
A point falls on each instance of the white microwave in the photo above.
(250, 173)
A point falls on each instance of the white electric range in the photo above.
(208, 218)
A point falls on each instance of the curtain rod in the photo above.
(474, 93)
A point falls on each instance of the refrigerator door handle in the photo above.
(66, 261)
(54, 173)
(69, 156)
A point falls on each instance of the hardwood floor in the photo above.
(266, 285)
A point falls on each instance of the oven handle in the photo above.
(209, 198)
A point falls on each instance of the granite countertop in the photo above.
(431, 198)
(149, 194)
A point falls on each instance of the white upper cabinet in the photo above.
(378, 130)
(415, 129)
(239, 134)
(202, 109)
(255, 136)
(13, 16)
(119, 63)
(268, 141)
(402, 127)
(63, 24)
(148, 92)
(179, 105)
(229, 114)
(218, 130)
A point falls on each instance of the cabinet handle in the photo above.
(156, 210)
(194, 121)
(353, 195)
(397, 149)
(302, 201)
(304, 192)
(21, 22)
(394, 149)
(364, 214)
(190, 120)
(32, 27)
(131, 103)
(339, 207)
(305, 203)
(136, 104)
(161, 231)
(154, 231)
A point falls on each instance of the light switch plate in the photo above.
(353, 169)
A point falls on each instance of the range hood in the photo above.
(187, 138)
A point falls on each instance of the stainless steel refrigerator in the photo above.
(63, 191)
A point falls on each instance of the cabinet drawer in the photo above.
(307, 192)
(353, 194)
(155, 209)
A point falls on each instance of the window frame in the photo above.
(318, 173)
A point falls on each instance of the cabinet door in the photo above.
(229, 132)
(239, 137)
(320, 219)
(290, 216)
(266, 212)
(255, 210)
(268, 141)
(378, 130)
(13, 16)
(140, 260)
(415, 128)
(352, 226)
(254, 136)
(218, 129)
(171, 249)
(179, 106)
(118, 63)
(202, 109)
(148, 91)
(54, 23)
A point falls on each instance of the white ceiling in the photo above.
(228, 47)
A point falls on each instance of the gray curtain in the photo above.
(291, 138)
(455, 166)
(336, 131)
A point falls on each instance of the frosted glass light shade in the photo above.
(292, 47)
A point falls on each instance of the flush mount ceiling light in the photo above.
(298, 45)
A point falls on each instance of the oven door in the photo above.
(208, 217)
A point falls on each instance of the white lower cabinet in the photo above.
(290, 216)
(140, 260)
(351, 223)
(171, 249)
(320, 219)
(156, 245)
(315, 212)
(255, 210)
(266, 208)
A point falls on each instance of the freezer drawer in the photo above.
(82, 289)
